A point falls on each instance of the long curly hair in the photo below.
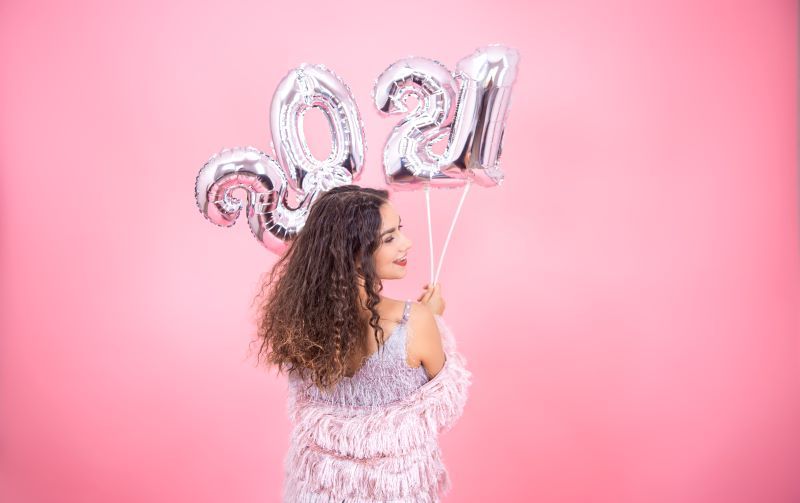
(311, 321)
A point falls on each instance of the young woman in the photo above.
(372, 380)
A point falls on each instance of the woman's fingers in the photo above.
(429, 292)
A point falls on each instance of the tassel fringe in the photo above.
(388, 453)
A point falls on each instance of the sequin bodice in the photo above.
(384, 377)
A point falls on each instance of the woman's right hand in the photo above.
(432, 297)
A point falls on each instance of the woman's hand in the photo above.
(433, 298)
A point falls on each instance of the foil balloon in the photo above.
(408, 157)
(468, 109)
(476, 134)
(271, 184)
(271, 218)
(316, 86)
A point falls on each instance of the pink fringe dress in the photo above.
(374, 437)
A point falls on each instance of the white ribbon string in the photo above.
(450, 232)
(430, 228)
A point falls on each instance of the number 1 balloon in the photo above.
(476, 134)
(269, 183)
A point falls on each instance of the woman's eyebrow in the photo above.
(387, 231)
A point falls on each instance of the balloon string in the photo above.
(430, 229)
(452, 225)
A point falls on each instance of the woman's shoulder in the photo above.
(419, 315)
(391, 308)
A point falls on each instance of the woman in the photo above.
(372, 380)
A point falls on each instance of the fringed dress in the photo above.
(374, 436)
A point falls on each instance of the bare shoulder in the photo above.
(425, 345)
(391, 309)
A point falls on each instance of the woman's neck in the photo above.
(362, 296)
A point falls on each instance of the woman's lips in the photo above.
(402, 262)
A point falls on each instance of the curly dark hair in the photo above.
(312, 321)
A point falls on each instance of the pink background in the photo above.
(627, 300)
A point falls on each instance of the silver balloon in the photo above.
(408, 157)
(476, 134)
(272, 220)
(268, 183)
(316, 86)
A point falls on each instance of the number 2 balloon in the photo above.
(468, 108)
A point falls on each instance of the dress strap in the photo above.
(406, 311)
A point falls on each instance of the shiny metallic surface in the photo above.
(476, 134)
(408, 157)
(271, 185)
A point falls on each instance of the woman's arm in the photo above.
(426, 344)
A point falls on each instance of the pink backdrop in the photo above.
(627, 300)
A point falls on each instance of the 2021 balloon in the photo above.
(273, 220)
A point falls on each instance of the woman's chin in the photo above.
(397, 274)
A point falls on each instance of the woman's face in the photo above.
(390, 257)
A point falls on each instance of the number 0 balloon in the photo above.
(269, 183)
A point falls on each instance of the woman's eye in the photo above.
(391, 238)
